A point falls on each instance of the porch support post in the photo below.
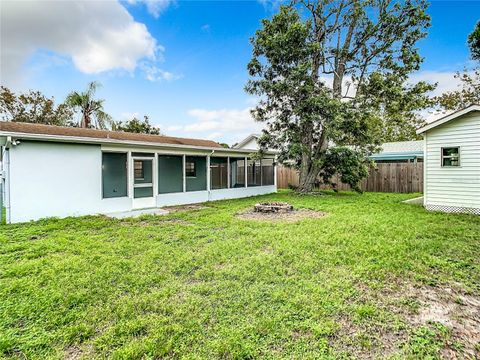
(130, 174)
(228, 172)
(246, 171)
(275, 171)
(208, 174)
(184, 178)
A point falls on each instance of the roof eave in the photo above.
(100, 141)
(448, 118)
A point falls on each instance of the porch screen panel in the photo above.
(170, 174)
(254, 173)
(268, 173)
(114, 175)
(237, 172)
(218, 173)
(197, 165)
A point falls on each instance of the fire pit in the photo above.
(273, 207)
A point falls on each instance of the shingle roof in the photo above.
(402, 146)
(39, 129)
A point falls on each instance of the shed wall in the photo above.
(453, 188)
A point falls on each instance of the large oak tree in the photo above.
(332, 78)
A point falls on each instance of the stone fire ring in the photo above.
(273, 207)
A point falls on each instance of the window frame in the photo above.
(443, 157)
(194, 169)
(134, 170)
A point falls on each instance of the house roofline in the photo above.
(246, 140)
(104, 141)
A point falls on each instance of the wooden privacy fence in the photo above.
(385, 177)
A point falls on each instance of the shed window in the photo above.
(451, 156)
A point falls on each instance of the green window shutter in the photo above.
(170, 174)
(114, 175)
(199, 181)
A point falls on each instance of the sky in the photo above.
(182, 63)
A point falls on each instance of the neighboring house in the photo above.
(400, 151)
(452, 162)
(59, 171)
(250, 142)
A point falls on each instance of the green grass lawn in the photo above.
(204, 284)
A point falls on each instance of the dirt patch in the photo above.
(401, 310)
(454, 309)
(73, 353)
(189, 207)
(291, 216)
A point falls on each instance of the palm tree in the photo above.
(91, 109)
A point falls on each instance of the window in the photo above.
(114, 175)
(170, 174)
(190, 170)
(268, 172)
(237, 172)
(196, 173)
(218, 173)
(138, 169)
(451, 156)
(254, 173)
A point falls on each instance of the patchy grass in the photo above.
(204, 284)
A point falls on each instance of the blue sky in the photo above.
(185, 65)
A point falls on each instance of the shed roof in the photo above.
(72, 132)
(449, 117)
(400, 150)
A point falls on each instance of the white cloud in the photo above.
(224, 120)
(97, 36)
(446, 80)
(226, 125)
(214, 135)
(154, 7)
(154, 73)
(205, 28)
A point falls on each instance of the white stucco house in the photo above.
(53, 171)
(452, 162)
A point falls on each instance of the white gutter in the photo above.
(88, 140)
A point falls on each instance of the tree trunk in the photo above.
(307, 180)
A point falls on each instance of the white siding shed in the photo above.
(452, 162)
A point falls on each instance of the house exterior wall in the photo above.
(50, 179)
(453, 189)
(54, 179)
